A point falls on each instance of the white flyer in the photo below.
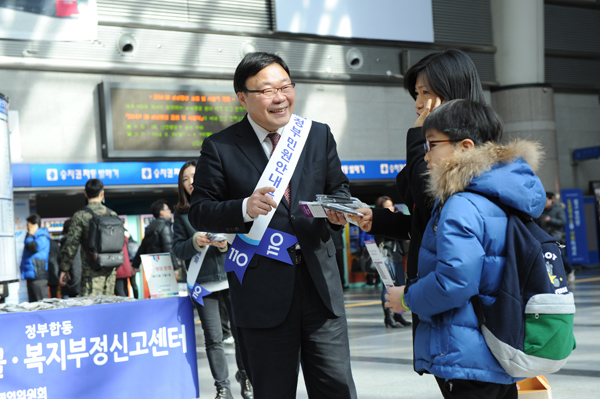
(382, 267)
(159, 272)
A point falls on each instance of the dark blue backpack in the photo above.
(529, 326)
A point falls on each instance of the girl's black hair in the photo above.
(184, 199)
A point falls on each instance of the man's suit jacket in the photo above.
(229, 167)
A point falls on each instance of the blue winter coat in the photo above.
(35, 255)
(463, 253)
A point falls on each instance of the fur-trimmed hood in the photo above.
(503, 171)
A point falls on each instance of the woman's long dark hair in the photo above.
(450, 74)
(183, 202)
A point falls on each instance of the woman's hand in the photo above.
(202, 240)
(430, 105)
(365, 222)
(219, 244)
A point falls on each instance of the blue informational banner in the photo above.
(111, 173)
(372, 170)
(576, 235)
(582, 154)
(148, 173)
(144, 349)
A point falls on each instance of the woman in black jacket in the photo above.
(187, 243)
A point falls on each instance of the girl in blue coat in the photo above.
(34, 264)
(463, 249)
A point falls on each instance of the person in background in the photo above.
(366, 262)
(225, 324)
(463, 249)
(132, 248)
(53, 268)
(392, 252)
(552, 221)
(123, 272)
(286, 315)
(34, 264)
(93, 282)
(3, 292)
(188, 243)
(158, 236)
(72, 286)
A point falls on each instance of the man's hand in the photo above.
(429, 106)
(394, 298)
(260, 203)
(365, 222)
(336, 217)
(63, 278)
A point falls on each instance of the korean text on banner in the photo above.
(141, 349)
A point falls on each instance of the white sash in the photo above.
(278, 172)
(261, 239)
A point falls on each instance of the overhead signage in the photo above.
(149, 173)
(149, 121)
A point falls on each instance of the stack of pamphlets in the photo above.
(338, 203)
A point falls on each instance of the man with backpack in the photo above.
(96, 279)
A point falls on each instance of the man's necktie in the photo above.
(274, 137)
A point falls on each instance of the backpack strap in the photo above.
(475, 300)
(478, 308)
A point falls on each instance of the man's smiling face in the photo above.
(269, 113)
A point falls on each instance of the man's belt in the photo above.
(295, 255)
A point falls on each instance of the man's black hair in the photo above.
(251, 65)
(465, 119)
(93, 187)
(157, 206)
(34, 218)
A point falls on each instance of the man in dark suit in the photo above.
(285, 314)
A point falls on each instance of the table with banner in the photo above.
(132, 349)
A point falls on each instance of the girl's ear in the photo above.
(466, 144)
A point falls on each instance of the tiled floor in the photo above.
(382, 357)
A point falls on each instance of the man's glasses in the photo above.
(272, 91)
(428, 145)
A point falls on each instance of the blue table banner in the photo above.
(142, 349)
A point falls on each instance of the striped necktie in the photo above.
(274, 137)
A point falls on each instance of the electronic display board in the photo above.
(142, 121)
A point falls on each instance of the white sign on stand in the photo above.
(160, 275)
